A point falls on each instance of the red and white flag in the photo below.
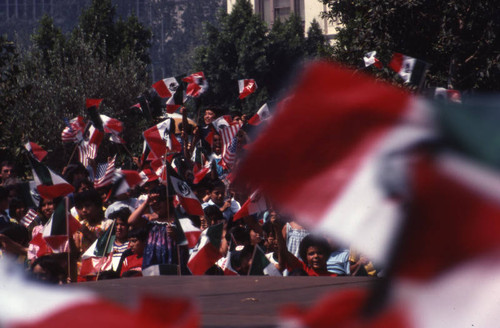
(201, 173)
(114, 127)
(74, 131)
(105, 173)
(35, 150)
(246, 87)
(166, 87)
(411, 70)
(191, 232)
(262, 114)
(78, 308)
(207, 252)
(256, 203)
(197, 84)
(88, 148)
(339, 192)
(187, 198)
(126, 180)
(161, 140)
(49, 184)
(370, 59)
(29, 217)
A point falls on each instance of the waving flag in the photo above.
(246, 87)
(54, 236)
(166, 87)
(35, 150)
(207, 252)
(370, 59)
(197, 84)
(230, 143)
(48, 184)
(256, 203)
(187, 198)
(88, 148)
(92, 105)
(410, 69)
(261, 265)
(74, 130)
(105, 173)
(97, 257)
(79, 308)
(191, 232)
(114, 127)
(126, 180)
(262, 114)
(29, 217)
(161, 139)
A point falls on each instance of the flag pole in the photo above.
(253, 257)
(106, 246)
(66, 206)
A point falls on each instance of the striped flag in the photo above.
(29, 217)
(230, 142)
(207, 252)
(105, 173)
(74, 130)
(87, 149)
(113, 127)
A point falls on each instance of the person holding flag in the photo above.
(157, 215)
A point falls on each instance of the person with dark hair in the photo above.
(212, 216)
(6, 171)
(48, 269)
(157, 215)
(226, 204)
(89, 207)
(14, 240)
(121, 242)
(137, 241)
(74, 172)
(4, 206)
(314, 252)
(17, 210)
(45, 211)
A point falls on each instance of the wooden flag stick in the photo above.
(106, 246)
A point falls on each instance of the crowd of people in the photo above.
(145, 221)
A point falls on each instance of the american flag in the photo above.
(105, 173)
(230, 142)
(87, 149)
(29, 217)
(73, 132)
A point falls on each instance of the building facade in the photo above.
(308, 10)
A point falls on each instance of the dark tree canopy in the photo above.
(459, 38)
(243, 46)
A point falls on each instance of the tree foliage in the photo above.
(242, 46)
(460, 39)
(59, 73)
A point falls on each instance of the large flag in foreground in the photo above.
(78, 308)
(413, 185)
(361, 188)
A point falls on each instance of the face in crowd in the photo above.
(217, 196)
(209, 116)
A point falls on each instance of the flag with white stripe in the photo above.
(105, 173)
